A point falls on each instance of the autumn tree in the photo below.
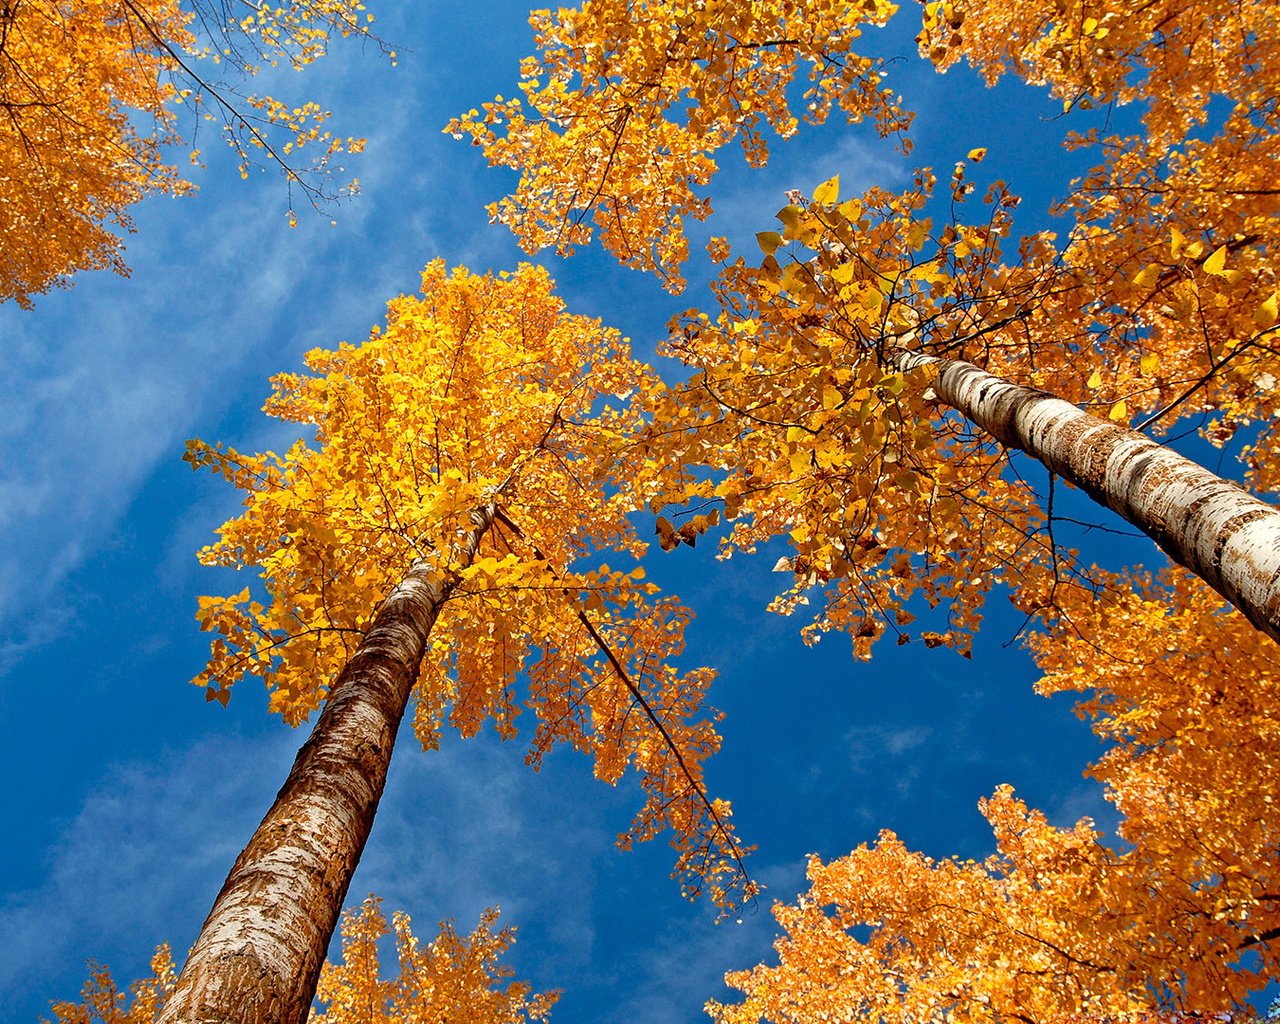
(451, 977)
(95, 94)
(801, 374)
(440, 536)
(1176, 921)
(862, 392)
(829, 382)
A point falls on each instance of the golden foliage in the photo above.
(798, 422)
(85, 116)
(627, 103)
(102, 1003)
(483, 392)
(1059, 925)
(90, 94)
(450, 978)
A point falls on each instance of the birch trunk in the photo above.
(1216, 529)
(258, 957)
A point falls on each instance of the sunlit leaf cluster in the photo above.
(86, 114)
(450, 978)
(626, 104)
(92, 96)
(481, 393)
(1172, 291)
(101, 1002)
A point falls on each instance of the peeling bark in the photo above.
(1218, 530)
(258, 957)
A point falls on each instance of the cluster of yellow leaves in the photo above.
(1170, 294)
(1058, 925)
(102, 1003)
(481, 393)
(627, 103)
(451, 978)
(797, 420)
(295, 33)
(85, 117)
(1171, 55)
(1185, 691)
(89, 91)
(1167, 293)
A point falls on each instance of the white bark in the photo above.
(258, 958)
(1215, 528)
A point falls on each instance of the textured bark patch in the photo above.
(258, 957)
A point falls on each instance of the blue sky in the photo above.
(128, 796)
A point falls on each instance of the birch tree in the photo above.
(439, 536)
(830, 379)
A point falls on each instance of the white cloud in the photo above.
(868, 746)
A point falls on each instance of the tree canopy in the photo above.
(892, 395)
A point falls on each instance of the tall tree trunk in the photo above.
(1216, 529)
(258, 957)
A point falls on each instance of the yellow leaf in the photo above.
(1119, 412)
(1216, 263)
(977, 155)
(828, 192)
(792, 218)
(1095, 381)
(1149, 364)
(769, 241)
(843, 274)
(1147, 276)
(1266, 315)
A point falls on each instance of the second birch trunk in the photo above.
(1216, 529)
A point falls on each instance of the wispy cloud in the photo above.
(148, 848)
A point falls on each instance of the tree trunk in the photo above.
(1216, 529)
(258, 957)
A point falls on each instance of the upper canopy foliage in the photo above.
(482, 393)
(90, 102)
